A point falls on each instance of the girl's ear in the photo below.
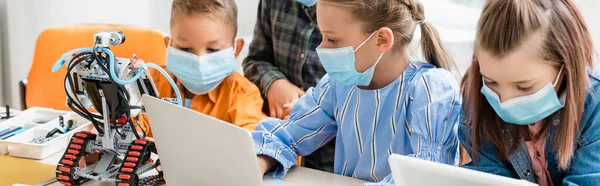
(385, 39)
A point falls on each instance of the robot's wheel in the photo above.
(138, 154)
(65, 171)
(128, 180)
(152, 180)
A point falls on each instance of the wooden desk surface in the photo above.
(25, 171)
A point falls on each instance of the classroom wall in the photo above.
(2, 31)
(589, 9)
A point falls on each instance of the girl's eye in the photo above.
(489, 83)
(524, 89)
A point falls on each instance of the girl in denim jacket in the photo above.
(531, 96)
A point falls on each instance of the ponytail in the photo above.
(433, 50)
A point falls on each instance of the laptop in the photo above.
(196, 149)
(408, 171)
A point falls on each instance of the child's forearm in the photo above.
(266, 163)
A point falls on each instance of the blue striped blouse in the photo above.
(416, 115)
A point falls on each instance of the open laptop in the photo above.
(196, 149)
(408, 171)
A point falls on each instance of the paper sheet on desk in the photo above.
(24, 171)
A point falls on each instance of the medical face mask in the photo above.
(529, 109)
(201, 74)
(340, 65)
(308, 2)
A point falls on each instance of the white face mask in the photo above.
(340, 65)
(528, 109)
(201, 74)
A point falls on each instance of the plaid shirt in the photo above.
(286, 36)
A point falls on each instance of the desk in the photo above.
(298, 176)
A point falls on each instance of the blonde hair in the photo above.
(503, 27)
(402, 17)
(222, 10)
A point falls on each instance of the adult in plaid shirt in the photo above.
(283, 62)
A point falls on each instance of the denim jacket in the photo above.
(585, 164)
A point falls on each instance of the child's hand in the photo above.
(287, 108)
(265, 163)
(280, 93)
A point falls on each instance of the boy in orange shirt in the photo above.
(201, 60)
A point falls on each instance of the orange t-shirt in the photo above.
(236, 100)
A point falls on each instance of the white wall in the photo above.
(589, 9)
(2, 32)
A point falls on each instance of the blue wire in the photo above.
(164, 73)
(111, 66)
(61, 61)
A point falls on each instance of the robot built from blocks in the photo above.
(94, 80)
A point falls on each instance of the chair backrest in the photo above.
(46, 89)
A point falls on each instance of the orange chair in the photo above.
(44, 88)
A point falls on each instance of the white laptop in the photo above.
(196, 149)
(408, 171)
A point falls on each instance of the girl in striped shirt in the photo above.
(374, 101)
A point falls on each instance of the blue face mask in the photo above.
(201, 74)
(308, 2)
(529, 109)
(340, 65)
